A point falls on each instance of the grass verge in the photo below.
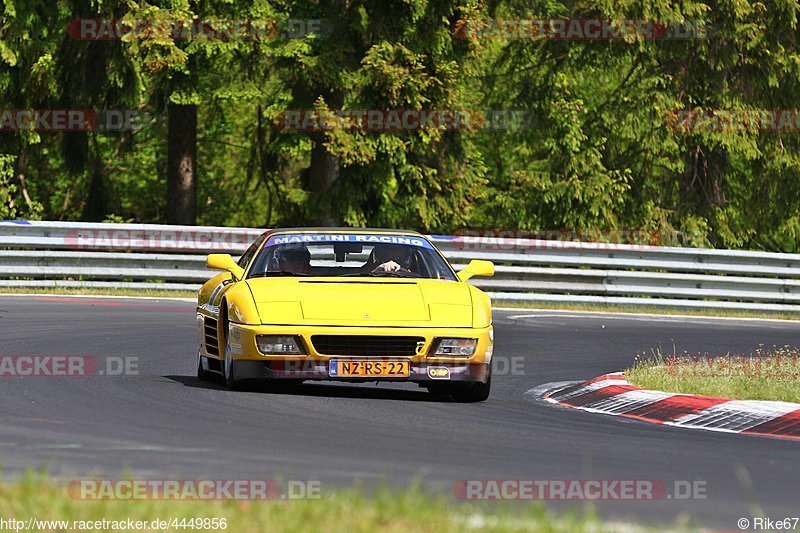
(651, 309)
(91, 291)
(345, 510)
(765, 375)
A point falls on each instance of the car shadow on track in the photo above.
(321, 390)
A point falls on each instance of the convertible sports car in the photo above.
(346, 304)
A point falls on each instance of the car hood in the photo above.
(362, 302)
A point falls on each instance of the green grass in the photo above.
(766, 375)
(90, 291)
(345, 510)
(650, 309)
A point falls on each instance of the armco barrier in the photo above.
(74, 254)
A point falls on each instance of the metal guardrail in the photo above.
(72, 254)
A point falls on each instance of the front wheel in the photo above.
(202, 373)
(464, 392)
(229, 365)
(475, 392)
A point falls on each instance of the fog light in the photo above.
(279, 345)
(456, 347)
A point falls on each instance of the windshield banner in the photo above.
(298, 238)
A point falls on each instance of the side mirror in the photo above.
(477, 267)
(225, 262)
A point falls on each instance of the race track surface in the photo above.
(164, 423)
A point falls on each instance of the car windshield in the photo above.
(350, 255)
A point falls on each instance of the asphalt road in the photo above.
(164, 423)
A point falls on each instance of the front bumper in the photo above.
(318, 370)
(250, 363)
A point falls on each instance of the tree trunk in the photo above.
(321, 178)
(182, 164)
(95, 208)
(19, 173)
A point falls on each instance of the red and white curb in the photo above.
(611, 394)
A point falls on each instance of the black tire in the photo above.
(474, 392)
(202, 373)
(228, 364)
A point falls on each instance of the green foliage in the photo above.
(8, 208)
(765, 375)
(597, 150)
(356, 509)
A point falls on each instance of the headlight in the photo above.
(279, 344)
(456, 347)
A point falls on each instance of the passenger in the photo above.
(295, 260)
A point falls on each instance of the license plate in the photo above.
(371, 369)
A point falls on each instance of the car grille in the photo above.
(366, 345)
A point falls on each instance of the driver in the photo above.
(297, 260)
(391, 258)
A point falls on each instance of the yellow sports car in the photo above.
(346, 304)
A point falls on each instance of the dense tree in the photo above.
(604, 151)
(603, 143)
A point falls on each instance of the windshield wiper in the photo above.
(278, 273)
(397, 274)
